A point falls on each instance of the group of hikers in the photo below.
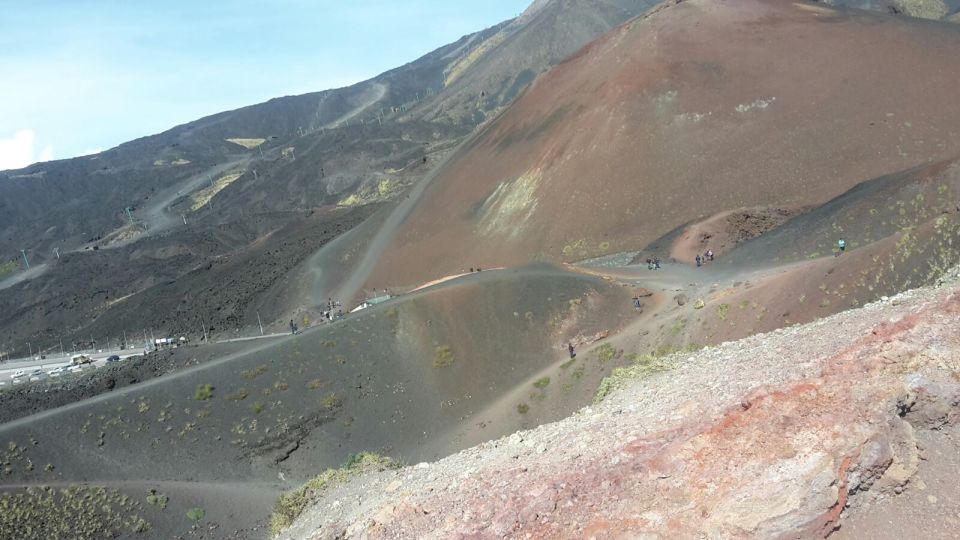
(332, 304)
(708, 256)
(653, 264)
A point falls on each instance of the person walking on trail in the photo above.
(293, 327)
(699, 260)
(842, 245)
(637, 304)
(656, 263)
(573, 354)
(710, 255)
(649, 264)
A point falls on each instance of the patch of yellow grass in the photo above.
(202, 197)
(247, 143)
(456, 70)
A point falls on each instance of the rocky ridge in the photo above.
(777, 435)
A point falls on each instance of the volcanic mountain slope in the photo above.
(790, 434)
(696, 109)
(266, 168)
(408, 379)
(926, 9)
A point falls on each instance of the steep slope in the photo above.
(786, 435)
(699, 108)
(267, 168)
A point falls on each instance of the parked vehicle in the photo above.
(112, 359)
(57, 371)
(80, 359)
(17, 374)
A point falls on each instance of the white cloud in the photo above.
(19, 150)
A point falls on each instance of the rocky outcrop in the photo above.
(777, 435)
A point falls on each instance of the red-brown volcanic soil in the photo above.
(699, 108)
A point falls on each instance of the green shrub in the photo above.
(442, 357)
(522, 408)
(196, 514)
(203, 392)
(542, 383)
(332, 401)
(157, 499)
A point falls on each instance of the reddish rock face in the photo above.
(700, 108)
(775, 436)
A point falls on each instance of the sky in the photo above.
(81, 76)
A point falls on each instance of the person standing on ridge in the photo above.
(699, 260)
(571, 351)
(842, 245)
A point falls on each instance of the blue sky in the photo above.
(79, 76)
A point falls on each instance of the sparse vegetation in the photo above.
(203, 392)
(542, 383)
(643, 366)
(257, 407)
(606, 352)
(332, 401)
(281, 386)
(251, 374)
(290, 505)
(442, 357)
(157, 499)
(71, 512)
(196, 514)
(316, 384)
(522, 408)
(722, 311)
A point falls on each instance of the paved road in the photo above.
(9, 368)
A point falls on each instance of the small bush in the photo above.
(722, 311)
(316, 384)
(606, 352)
(522, 408)
(157, 499)
(332, 401)
(196, 514)
(257, 408)
(251, 374)
(203, 392)
(442, 357)
(542, 383)
(281, 386)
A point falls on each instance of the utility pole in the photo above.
(261, 150)
(204, 328)
(25, 260)
(255, 174)
(124, 339)
(61, 349)
(129, 215)
(30, 348)
(56, 251)
(184, 217)
(260, 323)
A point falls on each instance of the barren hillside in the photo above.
(790, 434)
(698, 108)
